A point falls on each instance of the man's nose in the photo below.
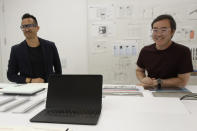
(26, 29)
(159, 33)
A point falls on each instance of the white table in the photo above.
(126, 113)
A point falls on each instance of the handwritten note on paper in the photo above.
(18, 128)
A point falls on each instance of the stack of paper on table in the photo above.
(122, 90)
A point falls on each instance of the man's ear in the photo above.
(173, 31)
(38, 27)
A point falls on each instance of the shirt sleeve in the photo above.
(140, 59)
(56, 60)
(185, 62)
(13, 69)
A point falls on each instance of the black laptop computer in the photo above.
(72, 99)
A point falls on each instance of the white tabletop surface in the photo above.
(125, 113)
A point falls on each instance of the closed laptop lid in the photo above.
(74, 92)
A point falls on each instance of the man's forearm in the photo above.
(140, 75)
(174, 82)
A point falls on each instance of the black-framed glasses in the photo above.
(161, 30)
(27, 26)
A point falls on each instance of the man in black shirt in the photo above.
(167, 63)
(34, 59)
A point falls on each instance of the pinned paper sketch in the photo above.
(134, 31)
(124, 11)
(125, 49)
(99, 47)
(128, 50)
(192, 12)
(102, 29)
(184, 34)
(121, 70)
(194, 56)
(191, 34)
(101, 12)
(175, 12)
(147, 13)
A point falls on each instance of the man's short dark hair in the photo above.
(27, 15)
(168, 17)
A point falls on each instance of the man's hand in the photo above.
(147, 80)
(149, 83)
(37, 80)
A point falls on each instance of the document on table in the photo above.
(18, 128)
(6, 99)
(30, 105)
(122, 90)
(13, 104)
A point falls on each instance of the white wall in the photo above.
(61, 21)
(1, 39)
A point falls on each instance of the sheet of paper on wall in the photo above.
(122, 29)
(193, 49)
(125, 48)
(192, 12)
(184, 34)
(102, 30)
(121, 71)
(177, 13)
(124, 11)
(148, 13)
(101, 12)
(99, 47)
(192, 34)
(120, 76)
(134, 31)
